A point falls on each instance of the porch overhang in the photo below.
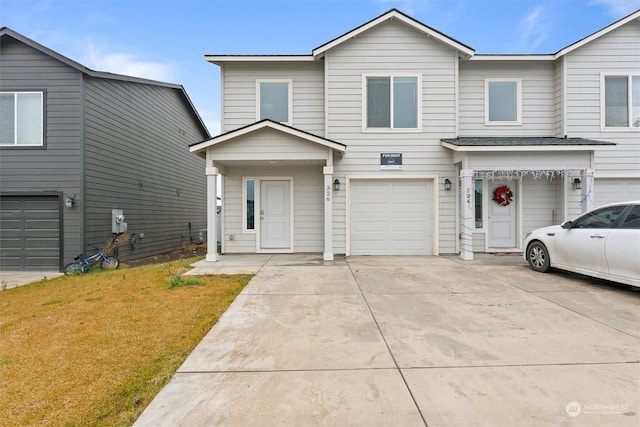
(201, 147)
(537, 144)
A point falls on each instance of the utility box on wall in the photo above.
(118, 225)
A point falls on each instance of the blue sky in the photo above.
(166, 40)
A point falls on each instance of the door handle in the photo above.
(597, 236)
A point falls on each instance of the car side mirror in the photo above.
(567, 225)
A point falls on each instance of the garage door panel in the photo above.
(390, 217)
(30, 234)
(616, 190)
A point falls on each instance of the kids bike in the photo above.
(82, 265)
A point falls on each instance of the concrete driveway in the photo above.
(13, 279)
(411, 341)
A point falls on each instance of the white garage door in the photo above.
(616, 190)
(391, 217)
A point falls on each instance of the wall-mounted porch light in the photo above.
(577, 182)
(336, 184)
(68, 202)
(447, 184)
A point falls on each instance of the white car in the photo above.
(603, 243)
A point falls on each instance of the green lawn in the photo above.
(95, 349)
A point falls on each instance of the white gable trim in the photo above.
(201, 146)
(598, 34)
(394, 14)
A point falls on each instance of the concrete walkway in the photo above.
(13, 279)
(410, 341)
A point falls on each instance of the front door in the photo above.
(502, 221)
(275, 215)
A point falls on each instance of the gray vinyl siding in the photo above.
(558, 99)
(557, 160)
(280, 147)
(57, 166)
(537, 97)
(239, 90)
(616, 51)
(392, 48)
(542, 203)
(137, 159)
(308, 207)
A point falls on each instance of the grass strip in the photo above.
(95, 349)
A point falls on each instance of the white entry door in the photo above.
(275, 215)
(502, 222)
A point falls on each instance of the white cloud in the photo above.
(533, 30)
(619, 8)
(127, 64)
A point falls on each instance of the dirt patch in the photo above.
(185, 252)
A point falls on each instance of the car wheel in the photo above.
(538, 257)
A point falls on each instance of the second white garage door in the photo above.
(392, 217)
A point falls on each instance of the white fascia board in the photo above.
(507, 148)
(512, 58)
(220, 59)
(598, 34)
(318, 52)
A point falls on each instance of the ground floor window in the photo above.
(249, 190)
(478, 203)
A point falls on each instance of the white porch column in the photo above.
(212, 214)
(467, 225)
(328, 212)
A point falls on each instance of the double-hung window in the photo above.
(274, 100)
(503, 101)
(621, 107)
(391, 102)
(21, 119)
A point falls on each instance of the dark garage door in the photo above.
(29, 233)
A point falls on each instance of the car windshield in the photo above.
(601, 218)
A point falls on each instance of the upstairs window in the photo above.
(21, 119)
(274, 100)
(622, 101)
(392, 102)
(503, 102)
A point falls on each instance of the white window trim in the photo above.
(603, 126)
(256, 182)
(391, 129)
(290, 100)
(15, 120)
(518, 121)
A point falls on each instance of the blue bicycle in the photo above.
(82, 265)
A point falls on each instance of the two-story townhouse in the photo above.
(75, 144)
(395, 139)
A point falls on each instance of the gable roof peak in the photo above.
(404, 18)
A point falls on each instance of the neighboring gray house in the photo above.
(104, 140)
(393, 139)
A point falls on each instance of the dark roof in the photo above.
(521, 141)
(8, 32)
